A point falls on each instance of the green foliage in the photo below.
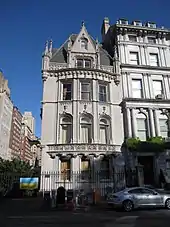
(132, 143)
(16, 166)
(153, 144)
(11, 171)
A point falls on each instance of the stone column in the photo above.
(129, 128)
(134, 125)
(75, 111)
(95, 112)
(156, 119)
(146, 55)
(151, 121)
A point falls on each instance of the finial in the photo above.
(46, 47)
(82, 23)
(51, 46)
(97, 41)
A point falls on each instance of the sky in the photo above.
(25, 25)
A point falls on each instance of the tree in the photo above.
(11, 171)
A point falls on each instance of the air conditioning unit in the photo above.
(160, 96)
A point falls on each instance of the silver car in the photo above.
(138, 197)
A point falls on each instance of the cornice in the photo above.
(75, 73)
(137, 100)
(148, 67)
(143, 30)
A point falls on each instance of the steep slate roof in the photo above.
(60, 55)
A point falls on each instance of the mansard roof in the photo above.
(60, 55)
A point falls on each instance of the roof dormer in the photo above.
(83, 42)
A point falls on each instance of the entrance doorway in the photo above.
(148, 168)
(61, 195)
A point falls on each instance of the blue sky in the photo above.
(25, 25)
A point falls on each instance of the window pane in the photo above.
(157, 87)
(105, 169)
(136, 84)
(137, 88)
(142, 129)
(87, 64)
(85, 133)
(85, 96)
(66, 133)
(65, 170)
(103, 134)
(66, 91)
(153, 59)
(85, 87)
(163, 123)
(102, 93)
(79, 63)
(134, 59)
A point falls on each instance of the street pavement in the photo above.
(24, 213)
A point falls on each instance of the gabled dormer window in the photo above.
(83, 63)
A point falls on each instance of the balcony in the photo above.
(99, 149)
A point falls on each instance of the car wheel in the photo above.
(127, 205)
(167, 204)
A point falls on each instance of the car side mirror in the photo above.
(155, 193)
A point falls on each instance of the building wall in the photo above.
(5, 125)
(29, 120)
(145, 82)
(55, 108)
(15, 133)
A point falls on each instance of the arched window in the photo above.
(66, 130)
(84, 43)
(104, 131)
(86, 129)
(163, 124)
(142, 128)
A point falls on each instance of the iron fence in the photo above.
(70, 180)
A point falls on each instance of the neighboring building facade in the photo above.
(144, 54)
(15, 134)
(36, 151)
(82, 123)
(6, 108)
(29, 120)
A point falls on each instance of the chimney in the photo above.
(105, 27)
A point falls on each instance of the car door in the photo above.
(152, 198)
(137, 196)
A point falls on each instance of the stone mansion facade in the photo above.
(97, 95)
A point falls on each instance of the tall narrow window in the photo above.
(86, 130)
(85, 168)
(142, 128)
(153, 59)
(104, 131)
(102, 93)
(163, 124)
(134, 58)
(137, 88)
(105, 168)
(85, 91)
(67, 91)
(65, 169)
(157, 87)
(66, 130)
